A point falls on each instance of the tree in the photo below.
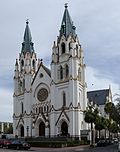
(108, 125)
(91, 115)
(9, 130)
(110, 109)
(114, 127)
(100, 124)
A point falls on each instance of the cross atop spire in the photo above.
(27, 45)
(67, 26)
(66, 5)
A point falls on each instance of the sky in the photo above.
(97, 26)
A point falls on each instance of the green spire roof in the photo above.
(67, 26)
(27, 45)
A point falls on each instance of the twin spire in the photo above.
(27, 45)
(67, 26)
(66, 29)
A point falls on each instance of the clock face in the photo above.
(42, 94)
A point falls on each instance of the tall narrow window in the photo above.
(79, 74)
(77, 50)
(64, 99)
(69, 47)
(61, 72)
(36, 110)
(63, 48)
(66, 71)
(23, 84)
(33, 63)
(22, 63)
(22, 109)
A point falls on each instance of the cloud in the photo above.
(96, 82)
(98, 28)
(6, 108)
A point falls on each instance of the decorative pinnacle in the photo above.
(16, 62)
(66, 5)
(27, 21)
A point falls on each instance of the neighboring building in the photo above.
(50, 102)
(5, 126)
(100, 97)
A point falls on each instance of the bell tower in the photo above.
(68, 78)
(25, 69)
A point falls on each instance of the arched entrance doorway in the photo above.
(64, 129)
(22, 131)
(42, 129)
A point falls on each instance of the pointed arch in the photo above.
(22, 107)
(62, 48)
(69, 46)
(61, 72)
(33, 64)
(77, 50)
(64, 98)
(66, 70)
(41, 129)
(22, 62)
(79, 74)
(21, 131)
(64, 128)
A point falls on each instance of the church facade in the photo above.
(50, 102)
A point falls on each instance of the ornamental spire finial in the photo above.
(27, 21)
(66, 5)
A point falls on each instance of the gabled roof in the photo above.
(67, 26)
(27, 45)
(98, 96)
(45, 68)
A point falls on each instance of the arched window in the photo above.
(22, 108)
(47, 108)
(23, 84)
(64, 99)
(61, 72)
(69, 47)
(33, 64)
(22, 63)
(36, 110)
(64, 128)
(77, 50)
(66, 71)
(79, 74)
(44, 108)
(63, 48)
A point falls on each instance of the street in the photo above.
(111, 148)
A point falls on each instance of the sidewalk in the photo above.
(41, 149)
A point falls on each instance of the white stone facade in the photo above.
(50, 102)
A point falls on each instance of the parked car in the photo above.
(101, 143)
(4, 142)
(18, 144)
(1, 143)
(115, 140)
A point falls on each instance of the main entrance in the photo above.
(42, 129)
(64, 129)
(22, 131)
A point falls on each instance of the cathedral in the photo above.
(50, 102)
